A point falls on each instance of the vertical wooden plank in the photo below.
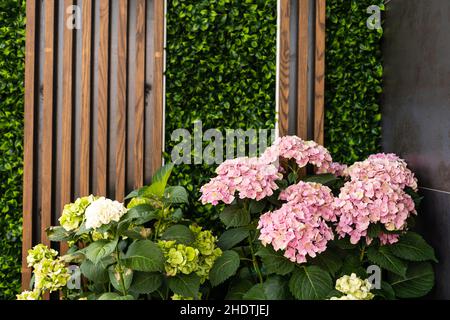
(140, 92)
(121, 99)
(67, 114)
(158, 85)
(103, 79)
(319, 88)
(283, 110)
(30, 61)
(47, 122)
(85, 139)
(302, 76)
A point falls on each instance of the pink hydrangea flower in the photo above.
(339, 170)
(303, 152)
(386, 167)
(361, 203)
(313, 195)
(250, 177)
(296, 229)
(386, 238)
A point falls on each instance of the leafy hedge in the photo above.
(12, 42)
(353, 81)
(221, 66)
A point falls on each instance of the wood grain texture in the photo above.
(102, 109)
(139, 95)
(302, 76)
(319, 86)
(158, 86)
(121, 99)
(30, 61)
(85, 134)
(47, 122)
(283, 110)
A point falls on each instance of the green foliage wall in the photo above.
(12, 42)
(221, 66)
(354, 73)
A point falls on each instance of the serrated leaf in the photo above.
(159, 181)
(114, 296)
(232, 237)
(386, 291)
(115, 279)
(146, 282)
(98, 250)
(235, 216)
(276, 288)
(94, 272)
(418, 281)
(329, 261)
(324, 179)
(256, 292)
(384, 258)
(310, 283)
(58, 234)
(175, 195)
(144, 255)
(274, 262)
(224, 267)
(411, 246)
(352, 264)
(185, 285)
(179, 233)
(238, 289)
(257, 206)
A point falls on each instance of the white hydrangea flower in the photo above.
(103, 211)
(354, 288)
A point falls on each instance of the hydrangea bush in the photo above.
(145, 250)
(297, 223)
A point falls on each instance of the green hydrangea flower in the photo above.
(179, 257)
(30, 295)
(39, 253)
(73, 214)
(50, 275)
(354, 288)
(180, 297)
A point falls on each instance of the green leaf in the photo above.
(144, 255)
(146, 282)
(329, 261)
(411, 246)
(179, 233)
(418, 281)
(224, 267)
(384, 258)
(114, 296)
(58, 234)
(177, 194)
(238, 289)
(232, 237)
(139, 215)
(352, 264)
(310, 283)
(257, 206)
(114, 278)
(256, 292)
(159, 181)
(185, 285)
(386, 291)
(235, 216)
(276, 288)
(274, 262)
(374, 230)
(94, 272)
(98, 250)
(326, 179)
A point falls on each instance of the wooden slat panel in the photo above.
(302, 77)
(47, 122)
(102, 123)
(319, 102)
(121, 99)
(139, 98)
(85, 133)
(158, 85)
(30, 61)
(283, 110)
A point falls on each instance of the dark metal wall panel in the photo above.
(72, 106)
(416, 111)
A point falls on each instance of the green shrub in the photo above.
(221, 67)
(354, 73)
(12, 42)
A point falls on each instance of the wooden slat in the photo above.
(283, 110)
(47, 122)
(319, 102)
(30, 60)
(85, 125)
(157, 124)
(67, 118)
(302, 77)
(139, 97)
(102, 111)
(121, 99)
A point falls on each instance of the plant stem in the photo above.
(255, 262)
(122, 281)
(363, 251)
